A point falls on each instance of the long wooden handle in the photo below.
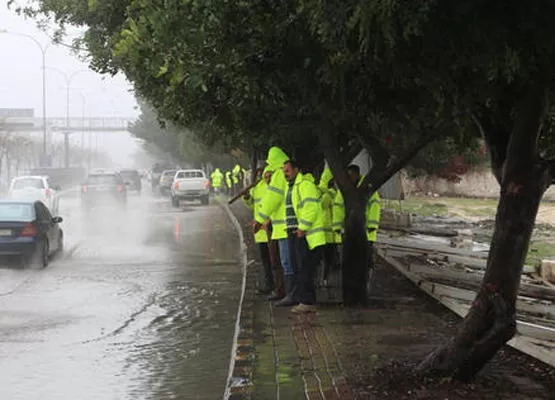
(242, 192)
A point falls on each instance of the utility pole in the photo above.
(68, 78)
(44, 159)
(66, 149)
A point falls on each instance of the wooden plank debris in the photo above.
(535, 340)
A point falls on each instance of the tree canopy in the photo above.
(334, 76)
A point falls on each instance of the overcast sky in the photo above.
(21, 78)
(21, 84)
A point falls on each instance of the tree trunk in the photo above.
(355, 258)
(491, 321)
(524, 177)
(354, 261)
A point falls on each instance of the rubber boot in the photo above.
(289, 299)
(279, 291)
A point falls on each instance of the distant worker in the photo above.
(273, 208)
(229, 183)
(217, 178)
(235, 175)
(244, 177)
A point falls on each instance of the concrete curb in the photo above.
(239, 381)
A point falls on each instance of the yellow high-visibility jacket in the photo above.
(228, 179)
(327, 204)
(373, 212)
(273, 202)
(217, 178)
(254, 202)
(338, 216)
(235, 173)
(307, 204)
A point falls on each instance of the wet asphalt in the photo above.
(141, 305)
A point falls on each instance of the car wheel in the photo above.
(205, 200)
(175, 202)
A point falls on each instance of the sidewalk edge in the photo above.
(231, 379)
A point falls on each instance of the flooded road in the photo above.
(141, 306)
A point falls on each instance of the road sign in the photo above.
(17, 113)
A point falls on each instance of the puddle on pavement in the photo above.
(134, 313)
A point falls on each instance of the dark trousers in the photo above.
(305, 263)
(266, 280)
(330, 260)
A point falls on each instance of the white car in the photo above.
(35, 188)
(190, 184)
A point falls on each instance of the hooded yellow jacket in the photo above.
(254, 202)
(273, 201)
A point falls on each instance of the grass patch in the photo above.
(539, 250)
(425, 209)
(446, 206)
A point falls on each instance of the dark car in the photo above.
(166, 180)
(132, 178)
(29, 231)
(156, 172)
(103, 187)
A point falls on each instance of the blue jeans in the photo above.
(285, 256)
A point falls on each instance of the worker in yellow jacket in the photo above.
(306, 235)
(330, 250)
(235, 176)
(273, 208)
(228, 182)
(217, 180)
(253, 200)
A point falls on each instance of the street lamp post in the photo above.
(43, 50)
(83, 109)
(68, 78)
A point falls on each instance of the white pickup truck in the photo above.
(190, 184)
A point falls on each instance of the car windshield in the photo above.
(129, 174)
(102, 180)
(168, 173)
(17, 212)
(189, 174)
(25, 183)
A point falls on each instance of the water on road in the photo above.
(142, 305)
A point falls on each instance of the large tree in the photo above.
(493, 63)
(267, 72)
(346, 74)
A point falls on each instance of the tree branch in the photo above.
(375, 179)
(351, 152)
(522, 149)
(496, 143)
(333, 156)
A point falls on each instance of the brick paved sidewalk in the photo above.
(340, 353)
(287, 356)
